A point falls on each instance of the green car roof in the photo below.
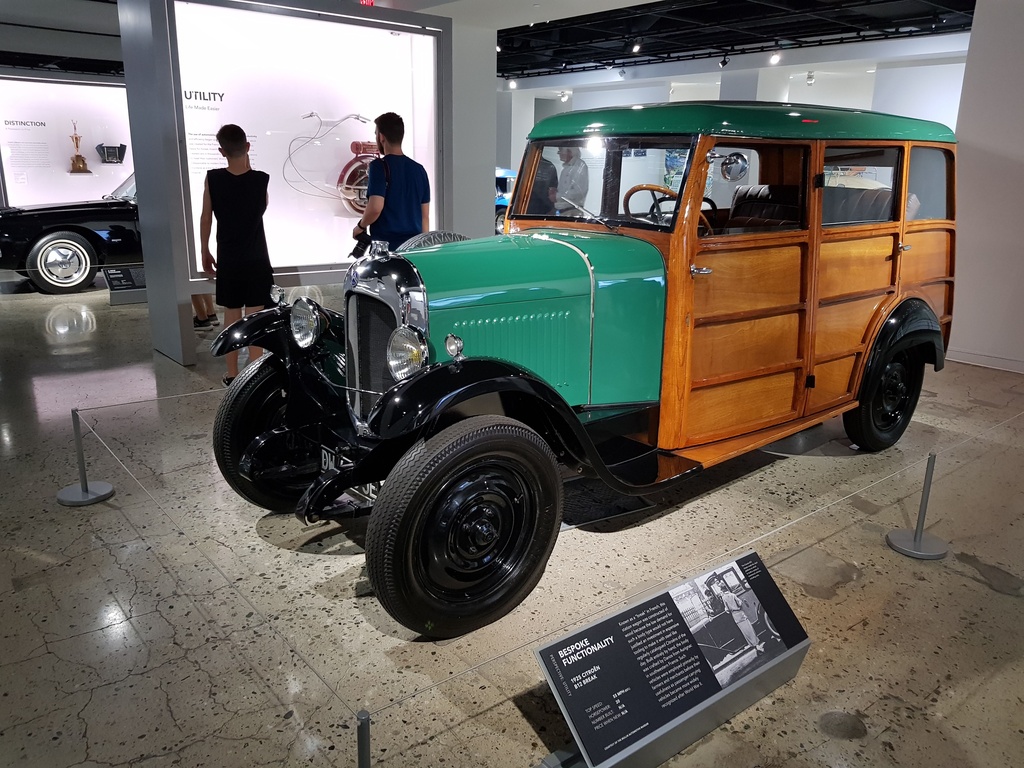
(741, 118)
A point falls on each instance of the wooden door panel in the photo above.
(842, 328)
(748, 280)
(930, 256)
(832, 383)
(855, 266)
(731, 348)
(724, 410)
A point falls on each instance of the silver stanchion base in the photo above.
(74, 496)
(928, 548)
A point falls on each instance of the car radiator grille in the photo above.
(370, 324)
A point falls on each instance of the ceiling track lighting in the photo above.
(725, 60)
(775, 58)
(563, 97)
(810, 78)
(512, 85)
(636, 46)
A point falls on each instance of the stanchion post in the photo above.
(80, 495)
(363, 736)
(919, 543)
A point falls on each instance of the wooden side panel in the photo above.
(842, 327)
(855, 266)
(939, 297)
(833, 382)
(742, 405)
(748, 280)
(723, 349)
(929, 256)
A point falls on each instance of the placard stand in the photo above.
(127, 284)
(639, 687)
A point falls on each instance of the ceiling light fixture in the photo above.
(512, 85)
(775, 58)
(723, 62)
(622, 73)
(563, 97)
(810, 78)
(636, 46)
(497, 48)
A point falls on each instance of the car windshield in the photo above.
(125, 190)
(620, 181)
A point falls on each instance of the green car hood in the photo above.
(584, 311)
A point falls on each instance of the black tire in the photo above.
(499, 219)
(62, 262)
(464, 525)
(254, 403)
(887, 402)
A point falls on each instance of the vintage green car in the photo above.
(701, 285)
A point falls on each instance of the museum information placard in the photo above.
(628, 680)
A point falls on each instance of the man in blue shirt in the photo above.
(398, 192)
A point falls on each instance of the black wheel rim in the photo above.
(893, 397)
(478, 529)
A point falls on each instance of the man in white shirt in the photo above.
(572, 182)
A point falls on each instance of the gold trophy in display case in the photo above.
(78, 164)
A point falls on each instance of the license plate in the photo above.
(328, 459)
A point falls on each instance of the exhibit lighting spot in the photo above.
(775, 58)
(563, 97)
(810, 78)
(636, 46)
(497, 49)
(512, 84)
(723, 62)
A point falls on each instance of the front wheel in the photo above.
(62, 262)
(887, 402)
(464, 525)
(255, 403)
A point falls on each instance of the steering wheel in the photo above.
(704, 221)
(659, 195)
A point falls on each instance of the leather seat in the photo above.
(764, 206)
(852, 205)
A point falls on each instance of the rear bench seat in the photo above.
(764, 206)
(851, 205)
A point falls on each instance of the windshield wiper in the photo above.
(590, 216)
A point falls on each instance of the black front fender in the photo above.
(423, 398)
(268, 328)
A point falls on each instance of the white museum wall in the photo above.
(620, 97)
(987, 313)
(927, 91)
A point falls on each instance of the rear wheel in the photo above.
(255, 403)
(464, 525)
(887, 402)
(62, 262)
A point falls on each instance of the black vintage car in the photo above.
(60, 247)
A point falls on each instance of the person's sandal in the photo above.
(226, 381)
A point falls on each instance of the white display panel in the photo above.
(291, 83)
(37, 121)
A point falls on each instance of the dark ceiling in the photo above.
(679, 30)
(675, 30)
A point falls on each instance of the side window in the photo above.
(928, 187)
(770, 197)
(859, 184)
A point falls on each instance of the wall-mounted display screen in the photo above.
(305, 91)
(62, 142)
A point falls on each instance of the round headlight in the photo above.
(407, 352)
(305, 322)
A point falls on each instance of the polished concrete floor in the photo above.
(177, 625)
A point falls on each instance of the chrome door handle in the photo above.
(903, 247)
(694, 271)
